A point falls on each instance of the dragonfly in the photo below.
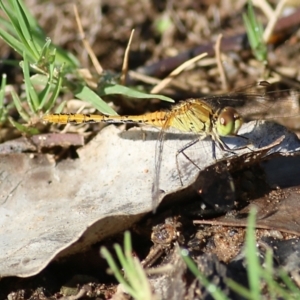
(204, 117)
(190, 116)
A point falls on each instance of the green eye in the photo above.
(229, 122)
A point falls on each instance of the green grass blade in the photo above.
(39, 37)
(11, 41)
(43, 95)
(5, 23)
(24, 26)
(33, 24)
(239, 289)
(22, 128)
(2, 89)
(46, 106)
(60, 107)
(117, 89)
(126, 265)
(255, 34)
(267, 274)
(253, 264)
(214, 291)
(23, 33)
(9, 10)
(290, 284)
(2, 95)
(128, 251)
(19, 106)
(31, 94)
(65, 57)
(86, 94)
(113, 266)
(136, 283)
(46, 57)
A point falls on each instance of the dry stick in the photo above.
(230, 43)
(273, 16)
(265, 7)
(219, 63)
(267, 34)
(67, 127)
(175, 72)
(154, 81)
(125, 61)
(95, 62)
(86, 44)
(272, 22)
(144, 78)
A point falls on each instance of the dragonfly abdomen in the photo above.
(73, 118)
(155, 119)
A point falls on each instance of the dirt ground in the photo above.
(167, 33)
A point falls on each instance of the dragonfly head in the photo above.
(229, 122)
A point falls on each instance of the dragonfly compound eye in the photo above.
(229, 122)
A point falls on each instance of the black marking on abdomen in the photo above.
(90, 121)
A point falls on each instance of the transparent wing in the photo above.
(255, 102)
(262, 102)
(158, 160)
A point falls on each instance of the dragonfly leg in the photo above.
(245, 146)
(181, 151)
(225, 148)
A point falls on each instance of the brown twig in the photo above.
(86, 44)
(234, 43)
(274, 19)
(174, 73)
(125, 61)
(219, 63)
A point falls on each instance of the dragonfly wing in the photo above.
(192, 116)
(158, 160)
